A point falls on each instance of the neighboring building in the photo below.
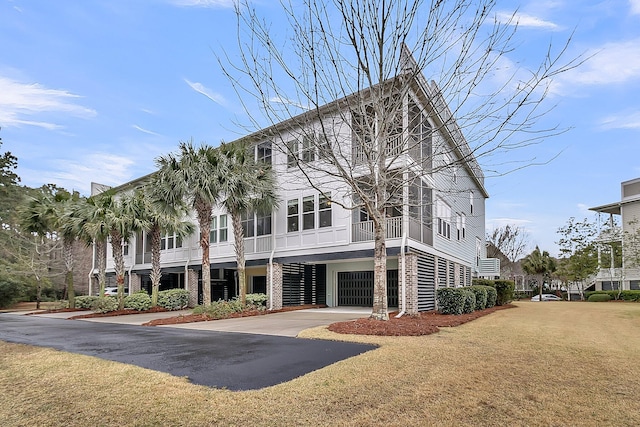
(623, 272)
(313, 251)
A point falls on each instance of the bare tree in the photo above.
(346, 84)
(510, 241)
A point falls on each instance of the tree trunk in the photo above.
(67, 249)
(380, 309)
(156, 272)
(101, 256)
(238, 236)
(116, 246)
(203, 211)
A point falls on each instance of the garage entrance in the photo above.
(355, 288)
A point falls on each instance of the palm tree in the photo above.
(246, 186)
(56, 213)
(539, 264)
(93, 229)
(156, 218)
(191, 175)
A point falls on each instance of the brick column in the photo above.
(191, 282)
(135, 283)
(411, 278)
(276, 287)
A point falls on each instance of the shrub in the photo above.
(173, 299)
(481, 296)
(482, 282)
(257, 300)
(138, 301)
(10, 292)
(85, 301)
(469, 300)
(599, 298)
(504, 289)
(105, 304)
(630, 295)
(450, 301)
(219, 309)
(492, 296)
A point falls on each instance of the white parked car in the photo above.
(546, 297)
(113, 291)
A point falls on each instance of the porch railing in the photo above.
(363, 231)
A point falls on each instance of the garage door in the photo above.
(355, 288)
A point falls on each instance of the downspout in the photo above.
(130, 268)
(273, 250)
(403, 276)
(93, 267)
(186, 270)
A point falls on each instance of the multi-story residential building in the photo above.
(317, 247)
(621, 272)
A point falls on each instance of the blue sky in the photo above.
(96, 90)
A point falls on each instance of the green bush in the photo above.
(10, 292)
(85, 301)
(219, 309)
(622, 295)
(138, 301)
(492, 296)
(630, 295)
(482, 282)
(257, 300)
(450, 301)
(173, 299)
(105, 304)
(599, 298)
(504, 289)
(469, 300)
(481, 296)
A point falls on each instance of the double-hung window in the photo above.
(293, 220)
(308, 213)
(324, 210)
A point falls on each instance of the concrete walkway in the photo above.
(287, 324)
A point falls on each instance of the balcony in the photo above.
(363, 231)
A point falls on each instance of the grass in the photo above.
(547, 364)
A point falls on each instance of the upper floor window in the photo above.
(170, 241)
(248, 224)
(292, 215)
(263, 153)
(292, 153)
(471, 202)
(308, 213)
(443, 212)
(263, 223)
(308, 153)
(461, 226)
(324, 210)
(218, 231)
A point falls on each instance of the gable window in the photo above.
(307, 153)
(263, 153)
(292, 215)
(308, 213)
(324, 210)
(292, 153)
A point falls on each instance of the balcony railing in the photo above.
(363, 231)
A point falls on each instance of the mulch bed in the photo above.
(190, 318)
(119, 313)
(421, 324)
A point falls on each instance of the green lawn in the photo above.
(550, 363)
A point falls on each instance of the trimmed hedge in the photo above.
(219, 309)
(599, 298)
(481, 296)
(492, 296)
(173, 299)
(257, 300)
(469, 300)
(450, 301)
(626, 295)
(105, 304)
(86, 301)
(138, 301)
(505, 289)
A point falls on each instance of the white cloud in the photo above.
(524, 20)
(20, 101)
(200, 88)
(284, 101)
(611, 63)
(635, 7)
(621, 121)
(204, 3)
(149, 132)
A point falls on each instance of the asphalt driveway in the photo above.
(236, 361)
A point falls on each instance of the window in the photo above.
(292, 215)
(308, 153)
(324, 210)
(263, 224)
(308, 213)
(464, 225)
(263, 153)
(222, 233)
(459, 226)
(213, 233)
(292, 153)
(443, 212)
(125, 248)
(170, 241)
(471, 202)
(248, 223)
